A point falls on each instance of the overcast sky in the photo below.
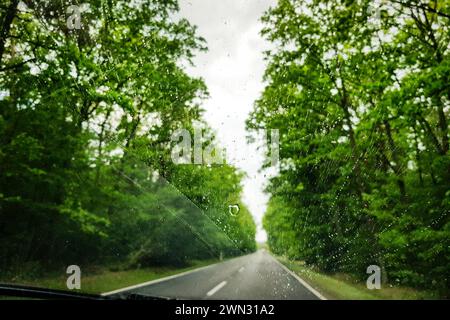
(232, 69)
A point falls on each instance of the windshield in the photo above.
(226, 150)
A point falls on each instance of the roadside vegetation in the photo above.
(347, 287)
(360, 91)
(105, 279)
(86, 119)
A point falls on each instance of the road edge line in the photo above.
(303, 282)
(143, 284)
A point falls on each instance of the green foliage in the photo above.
(86, 117)
(362, 104)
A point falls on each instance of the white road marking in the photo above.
(241, 269)
(167, 278)
(157, 280)
(303, 282)
(216, 288)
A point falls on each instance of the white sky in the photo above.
(233, 68)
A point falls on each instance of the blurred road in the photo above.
(255, 276)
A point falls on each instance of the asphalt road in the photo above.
(255, 276)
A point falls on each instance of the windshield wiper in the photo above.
(135, 296)
(13, 290)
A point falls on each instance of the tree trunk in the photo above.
(444, 128)
(419, 166)
(397, 170)
(6, 25)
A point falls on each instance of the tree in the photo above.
(361, 101)
(86, 117)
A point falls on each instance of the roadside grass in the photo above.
(101, 279)
(345, 287)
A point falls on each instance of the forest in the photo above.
(360, 92)
(90, 96)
